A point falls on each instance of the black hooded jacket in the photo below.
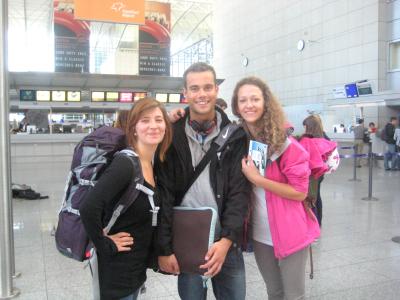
(230, 186)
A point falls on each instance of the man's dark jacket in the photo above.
(389, 133)
(230, 186)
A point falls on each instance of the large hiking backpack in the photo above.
(91, 157)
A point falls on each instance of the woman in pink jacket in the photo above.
(282, 226)
(320, 148)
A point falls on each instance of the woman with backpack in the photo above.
(283, 226)
(320, 148)
(124, 251)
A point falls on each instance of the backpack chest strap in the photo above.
(154, 209)
(87, 182)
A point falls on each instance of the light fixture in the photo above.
(300, 45)
(245, 60)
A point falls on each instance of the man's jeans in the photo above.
(229, 284)
(391, 155)
(133, 296)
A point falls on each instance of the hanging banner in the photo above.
(71, 39)
(112, 11)
(154, 40)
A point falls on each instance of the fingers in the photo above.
(169, 264)
(250, 161)
(175, 268)
(181, 112)
(123, 249)
(126, 240)
(175, 265)
(210, 258)
(122, 240)
(244, 163)
(122, 234)
(214, 270)
(213, 266)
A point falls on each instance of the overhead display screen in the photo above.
(162, 97)
(112, 96)
(139, 96)
(58, 96)
(27, 95)
(125, 97)
(351, 90)
(174, 98)
(43, 95)
(73, 96)
(98, 96)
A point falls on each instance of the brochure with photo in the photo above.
(258, 152)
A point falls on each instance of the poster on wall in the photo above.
(121, 11)
(154, 39)
(71, 39)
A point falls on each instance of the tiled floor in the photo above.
(354, 259)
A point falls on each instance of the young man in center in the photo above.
(221, 185)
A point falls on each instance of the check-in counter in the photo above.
(43, 147)
(42, 160)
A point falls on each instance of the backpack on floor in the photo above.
(90, 159)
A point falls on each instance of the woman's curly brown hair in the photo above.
(270, 126)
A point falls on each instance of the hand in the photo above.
(122, 240)
(176, 114)
(215, 257)
(169, 264)
(250, 170)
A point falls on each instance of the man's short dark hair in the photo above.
(360, 121)
(198, 68)
(393, 119)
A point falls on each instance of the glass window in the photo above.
(394, 55)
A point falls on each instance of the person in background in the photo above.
(372, 128)
(221, 103)
(372, 134)
(122, 119)
(123, 253)
(289, 128)
(342, 128)
(283, 227)
(397, 139)
(23, 124)
(390, 158)
(359, 140)
(319, 146)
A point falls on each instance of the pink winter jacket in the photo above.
(291, 227)
(319, 150)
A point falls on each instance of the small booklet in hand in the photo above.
(258, 152)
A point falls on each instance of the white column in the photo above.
(6, 230)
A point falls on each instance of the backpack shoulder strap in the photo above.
(216, 146)
(132, 192)
(225, 134)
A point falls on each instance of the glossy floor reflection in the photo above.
(354, 259)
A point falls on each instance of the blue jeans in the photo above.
(390, 154)
(132, 296)
(229, 284)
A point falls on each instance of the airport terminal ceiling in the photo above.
(32, 20)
